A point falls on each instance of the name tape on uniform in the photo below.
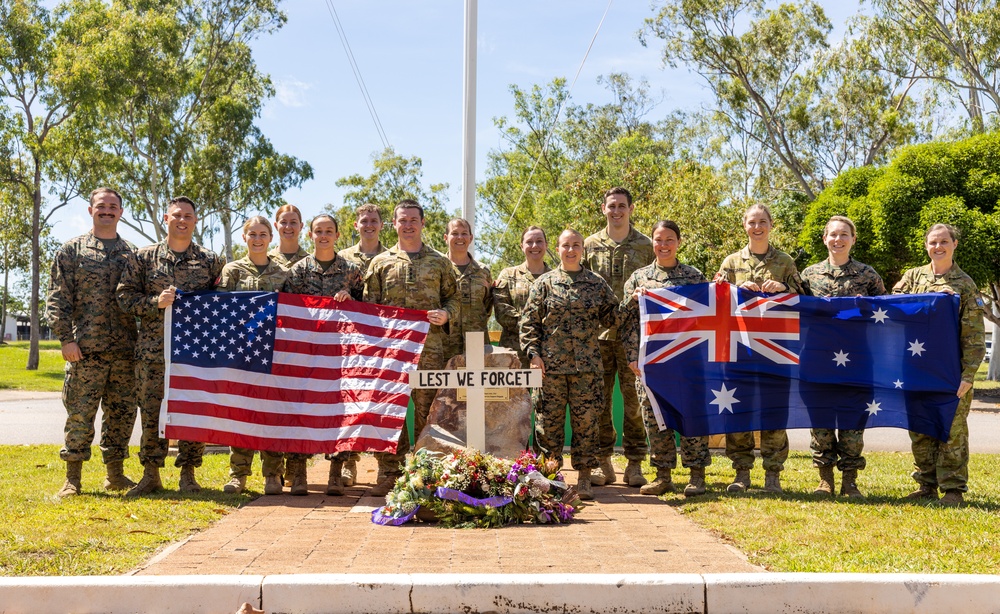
(486, 378)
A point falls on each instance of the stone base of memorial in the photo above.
(467, 488)
(508, 422)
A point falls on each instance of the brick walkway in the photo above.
(620, 532)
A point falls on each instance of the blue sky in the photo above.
(410, 55)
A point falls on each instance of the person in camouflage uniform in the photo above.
(565, 307)
(255, 271)
(759, 267)
(614, 253)
(510, 292)
(148, 286)
(368, 224)
(323, 273)
(413, 275)
(475, 289)
(288, 225)
(98, 340)
(840, 275)
(666, 272)
(944, 465)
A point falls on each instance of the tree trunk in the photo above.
(993, 372)
(36, 262)
(3, 302)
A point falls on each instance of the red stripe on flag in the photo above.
(336, 421)
(334, 326)
(287, 395)
(295, 446)
(315, 349)
(332, 374)
(327, 302)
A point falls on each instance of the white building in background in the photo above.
(10, 331)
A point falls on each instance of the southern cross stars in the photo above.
(725, 399)
(873, 408)
(841, 358)
(916, 348)
(880, 315)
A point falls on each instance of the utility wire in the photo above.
(548, 136)
(357, 74)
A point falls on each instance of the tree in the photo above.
(394, 178)
(15, 247)
(951, 46)
(40, 101)
(802, 112)
(183, 92)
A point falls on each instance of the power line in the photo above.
(548, 136)
(357, 74)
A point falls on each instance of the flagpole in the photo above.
(469, 116)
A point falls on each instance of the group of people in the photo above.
(578, 323)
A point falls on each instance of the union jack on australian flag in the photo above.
(720, 359)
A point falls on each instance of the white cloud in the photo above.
(291, 92)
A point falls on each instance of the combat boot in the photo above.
(583, 486)
(926, 491)
(952, 498)
(296, 471)
(607, 469)
(849, 484)
(384, 486)
(350, 475)
(149, 483)
(826, 486)
(633, 474)
(772, 482)
(696, 486)
(273, 485)
(187, 482)
(72, 487)
(117, 480)
(741, 483)
(660, 485)
(334, 483)
(235, 485)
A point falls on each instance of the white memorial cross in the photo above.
(475, 379)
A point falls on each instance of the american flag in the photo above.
(716, 358)
(288, 372)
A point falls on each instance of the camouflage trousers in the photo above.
(633, 431)
(663, 447)
(105, 379)
(840, 447)
(944, 464)
(241, 460)
(152, 448)
(773, 449)
(585, 397)
(431, 359)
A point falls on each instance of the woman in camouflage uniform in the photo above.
(666, 272)
(255, 271)
(944, 465)
(759, 267)
(288, 225)
(510, 292)
(566, 308)
(475, 288)
(840, 275)
(323, 273)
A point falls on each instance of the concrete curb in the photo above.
(508, 593)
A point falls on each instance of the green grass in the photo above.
(48, 377)
(98, 532)
(983, 385)
(884, 533)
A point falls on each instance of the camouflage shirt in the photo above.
(561, 317)
(475, 303)
(308, 277)
(972, 331)
(616, 262)
(424, 281)
(853, 279)
(284, 261)
(152, 270)
(243, 275)
(81, 306)
(358, 257)
(652, 277)
(743, 266)
(510, 293)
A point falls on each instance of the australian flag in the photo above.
(720, 359)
